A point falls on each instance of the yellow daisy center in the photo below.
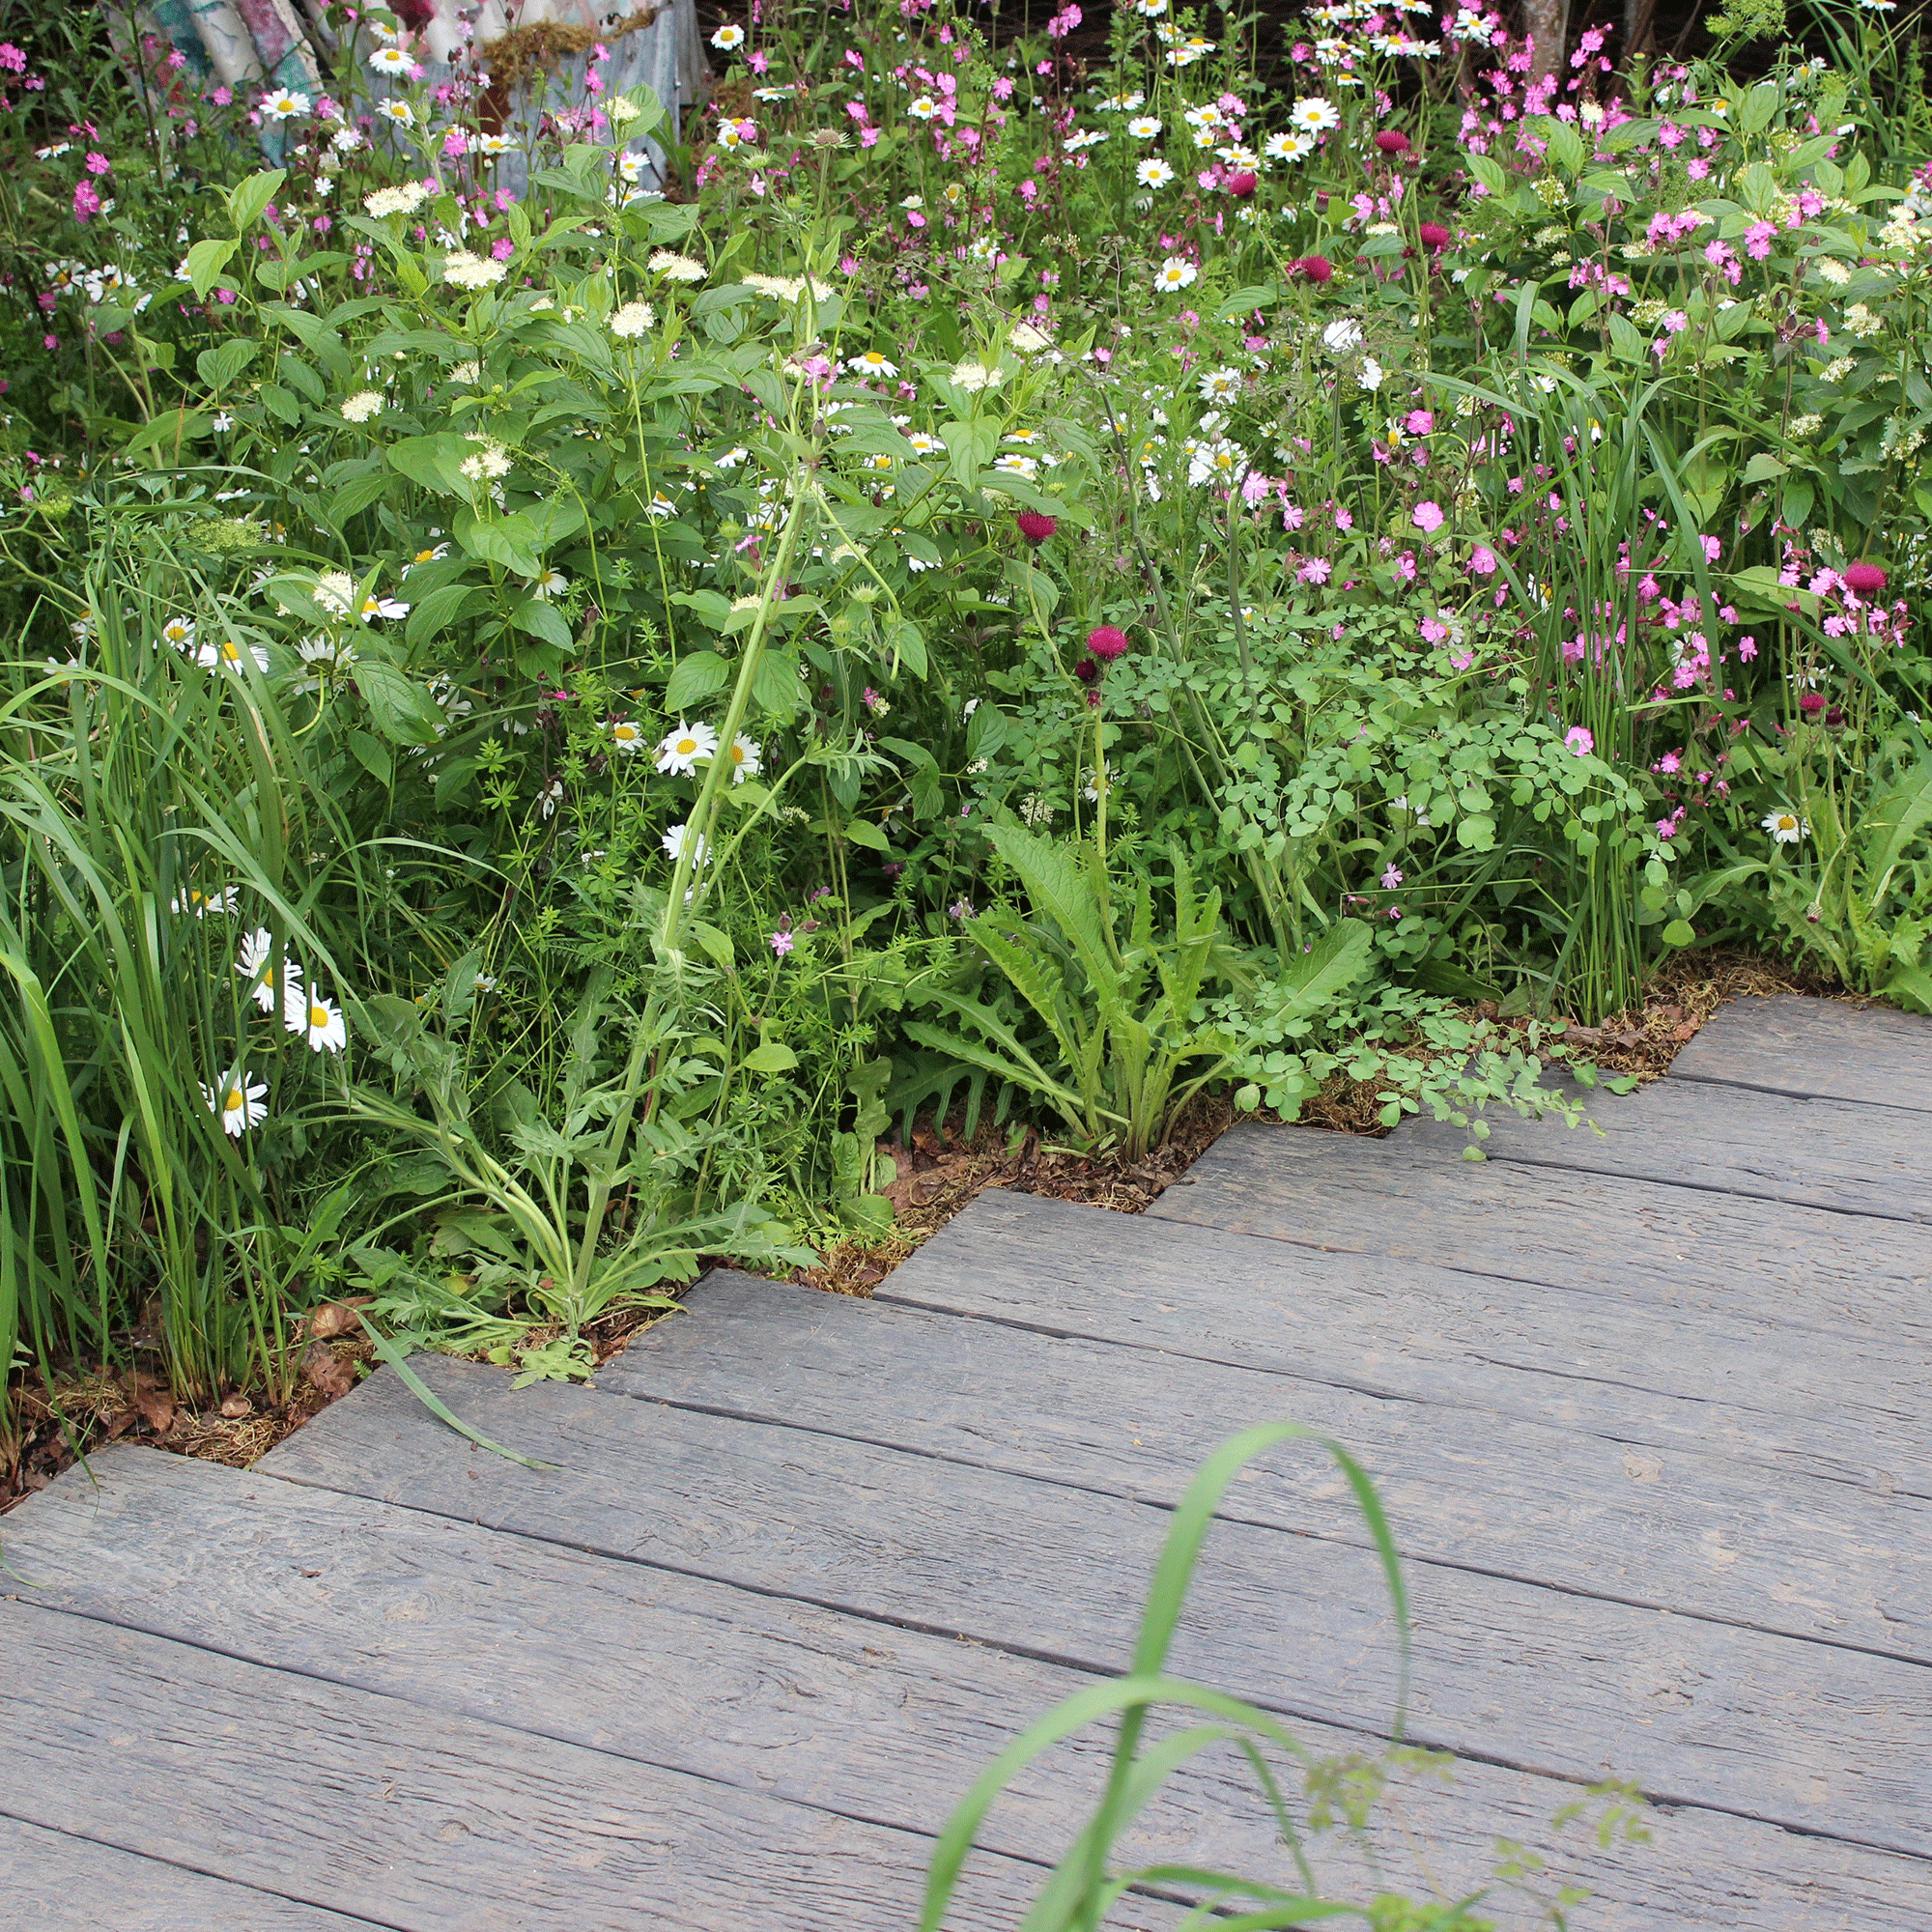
(236, 1102)
(231, 650)
(318, 1017)
(686, 748)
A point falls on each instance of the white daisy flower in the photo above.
(727, 37)
(1289, 146)
(201, 903)
(319, 1018)
(1153, 174)
(228, 655)
(679, 753)
(924, 444)
(238, 1104)
(923, 108)
(1176, 273)
(1220, 385)
(625, 736)
(674, 840)
(871, 364)
(398, 111)
(1144, 126)
(374, 607)
(282, 105)
(1315, 115)
(393, 60)
(179, 633)
(747, 755)
(267, 982)
(1013, 464)
(1786, 826)
(552, 583)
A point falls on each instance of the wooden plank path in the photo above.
(1647, 1408)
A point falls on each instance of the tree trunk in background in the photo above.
(1548, 23)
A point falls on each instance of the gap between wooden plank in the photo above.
(437, 1822)
(1429, 1334)
(412, 1607)
(64, 1882)
(810, 1519)
(1563, 1229)
(766, 1352)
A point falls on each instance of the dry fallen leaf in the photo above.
(333, 1378)
(336, 1317)
(155, 1405)
(237, 1405)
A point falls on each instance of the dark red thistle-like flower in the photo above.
(1434, 236)
(1244, 185)
(1867, 580)
(1834, 719)
(1313, 269)
(1393, 141)
(1034, 528)
(1107, 642)
(1086, 670)
(1811, 703)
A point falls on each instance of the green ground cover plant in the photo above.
(550, 705)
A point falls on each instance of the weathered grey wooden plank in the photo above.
(1674, 1248)
(53, 1882)
(1846, 1409)
(420, 1820)
(1816, 1049)
(1689, 1531)
(1686, 1133)
(845, 1714)
(1824, 1740)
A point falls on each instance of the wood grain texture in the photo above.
(843, 1713)
(422, 1820)
(1673, 1249)
(1689, 1532)
(1823, 1740)
(1848, 1409)
(1816, 1049)
(54, 1882)
(1686, 1133)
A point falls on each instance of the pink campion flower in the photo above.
(1580, 741)
(1712, 548)
(1427, 518)
(1667, 828)
(12, 58)
(86, 201)
(1758, 238)
(455, 144)
(503, 248)
(1674, 322)
(1392, 878)
(50, 342)
(1434, 631)
(1668, 764)
(1483, 561)
(1419, 422)
(1315, 570)
(1345, 519)
(782, 943)
(222, 96)
(98, 164)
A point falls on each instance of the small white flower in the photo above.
(267, 982)
(1153, 174)
(1786, 826)
(677, 268)
(1175, 273)
(1220, 385)
(923, 108)
(282, 105)
(1028, 339)
(1315, 115)
(973, 376)
(201, 903)
(238, 1104)
(317, 1017)
(679, 753)
(362, 406)
(675, 838)
(403, 199)
(393, 60)
(1341, 338)
(463, 269)
(179, 633)
(747, 755)
(552, 583)
(1144, 126)
(871, 364)
(631, 320)
(727, 37)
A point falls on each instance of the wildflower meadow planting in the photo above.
(569, 677)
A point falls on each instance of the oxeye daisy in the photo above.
(393, 60)
(201, 903)
(871, 364)
(266, 981)
(679, 753)
(374, 607)
(228, 655)
(1315, 115)
(1786, 826)
(1153, 174)
(178, 632)
(727, 37)
(745, 756)
(1175, 273)
(238, 1103)
(677, 837)
(398, 111)
(1144, 126)
(625, 736)
(320, 1019)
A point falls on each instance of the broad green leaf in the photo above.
(205, 263)
(247, 199)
